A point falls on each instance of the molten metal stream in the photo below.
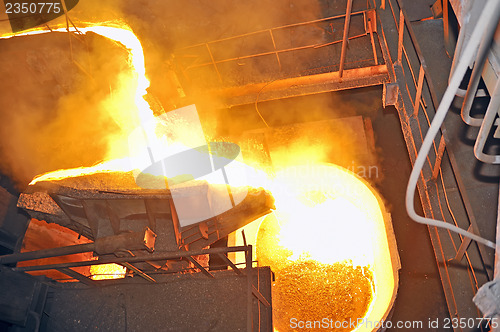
(320, 243)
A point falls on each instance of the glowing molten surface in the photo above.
(135, 83)
(323, 243)
(107, 271)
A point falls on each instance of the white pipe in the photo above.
(488, 17)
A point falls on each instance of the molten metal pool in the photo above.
(331, 246)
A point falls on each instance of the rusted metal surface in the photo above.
(390, 94)
(418, 96)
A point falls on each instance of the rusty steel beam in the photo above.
(46, 253)
(248, 261)
(230, 263)
(418, 96)
(372, 40)
(275, 49)
(78, 276)
(213, 62)
(260, 297)
(200, 267)
(466, 241)
(303, 85)
(401, 31)
(141, 273)
(439, 158)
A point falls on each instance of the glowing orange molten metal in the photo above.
(328, 247)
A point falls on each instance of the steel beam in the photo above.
(78, 276)
(120, 260)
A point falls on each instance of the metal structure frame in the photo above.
(417, 103)
(368, 14)
(366, 72)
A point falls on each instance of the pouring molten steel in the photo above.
(327, 242)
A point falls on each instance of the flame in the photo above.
(123, 34)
